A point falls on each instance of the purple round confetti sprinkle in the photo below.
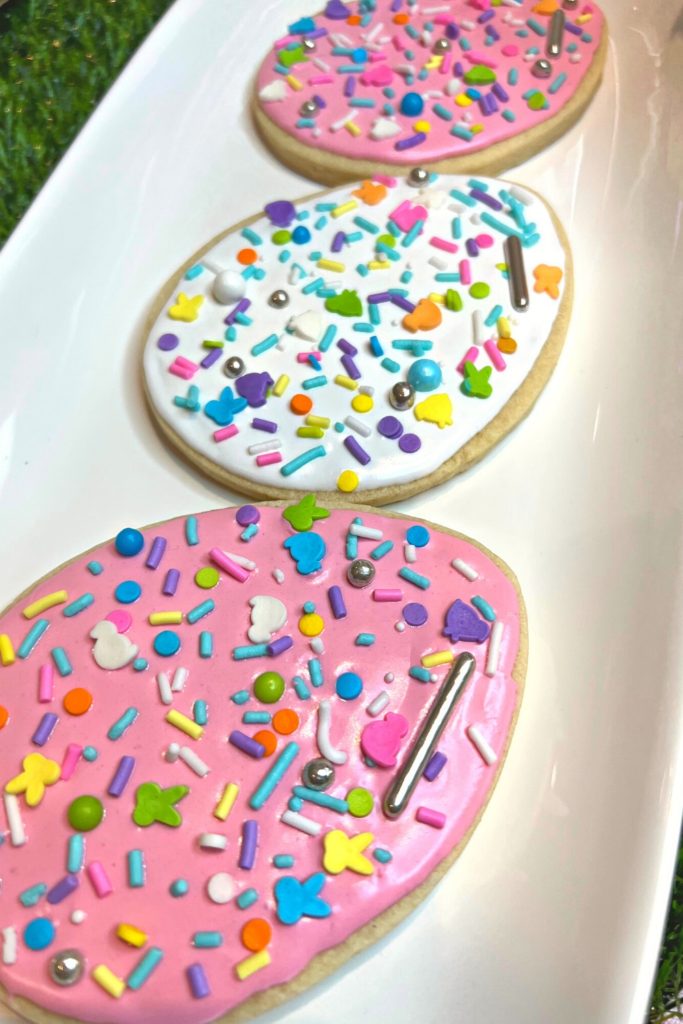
(452, 30)
(249, 844)
(167, 342)
(62, 889)
(410, 443)
(247, 514)
(434, 766)
(391, 427)
(280, 213)
(415, 614)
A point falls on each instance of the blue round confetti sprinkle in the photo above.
(412, 104)
(179, 888)
(349, 686)
(301, 235)
(39, 933)
(166, 643)
(309, 608)
(140, 664)
(339, 427)
(129, 542)
(90, 753)
(128, 592)
(359, 56)
(418, 536)
(425, 375)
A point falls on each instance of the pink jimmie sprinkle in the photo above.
(374, 57)
(71, 758)
(465, 272)
(46, 678)
(384, 179)
(268, 458)
(469, 357)
(225, 563)
(441, 243)
(397, 43)
(387, 594)
(494, 355)
(99, 878)
(225, 432)
(181, 371)
(284, 42)
(427, 816)
(320, 79)
(446, 63)
(475, 57)
(303, 357)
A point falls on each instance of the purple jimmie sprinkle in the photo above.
(319, 100)
(347, 347)
(199, 983)
(171, 582)
(498, 91)
(402, 303)
(45, 729)
(350, 86)
(241, 307)
(268, 425)
(156, 553)
(334, 596)
(575, 30)
(472, 247)
(492, 34)
(246, 744)
(121, 776)
(279, 646)
(62, 889)
(338, 242)
(358, 453)
(484, 197)
(351, 369)
(434, 765)
(249, 844)
(211, 357)
(379, 297)
(409, 143)
(458, 69)
(486, 16)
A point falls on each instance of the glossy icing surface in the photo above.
(413, 848)
(354, 264)
(368, 57)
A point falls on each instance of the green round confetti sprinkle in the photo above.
(360, 801)
(281, 237)
(479, 290)
(537, 101)
(480, 75)
(85, 813)
(387, 240)
(206, 578)
(269, 687)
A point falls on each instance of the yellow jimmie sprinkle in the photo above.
(436, 297)
(225, 804)
(352, 128)
(185, 724)
(462, 100)
(346, 382)
(476, 128)
(344, 208)
(165, 618)
(6, 650)
(318, 421)
(379, 265)
(504, 329)
(437, 658)
(109, 981)
(296, 85)
(583, 18)
(331, 265)
(280, 385)
(132, 935)
(245, 968)
(43, 603)
(310, 432)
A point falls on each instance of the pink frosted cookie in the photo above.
(233, 742)
(462, 86)
(373, 340)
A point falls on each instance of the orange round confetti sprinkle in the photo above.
(256, 934)
(4, 716)
(353, 19)
(247, 256)
(401, 19)
(285, 721)
(507, 345)
(268, 739)
(77, 701)
(300, 404)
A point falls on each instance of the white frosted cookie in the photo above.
(373, 340)
(462, 86)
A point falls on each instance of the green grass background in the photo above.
(57, 59)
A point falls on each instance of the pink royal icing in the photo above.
(339, 879)
(479, 91)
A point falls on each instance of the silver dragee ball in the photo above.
(318, 774)
(66, 967)
(542, 68)
(308, 45)
(360, 573)
(233, 367)
(570, 5)
(309, 108)
(441, 46)
(418, 176)
(278, 299)
(228, 287)
(402, 395)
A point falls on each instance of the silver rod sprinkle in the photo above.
(398, 794)
(514, 257)
(554, 44)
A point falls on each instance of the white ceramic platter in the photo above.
(555, 910)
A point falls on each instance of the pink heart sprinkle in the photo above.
(406, 215)
(379, 75)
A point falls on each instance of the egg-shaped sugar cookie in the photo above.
(369, 341)
(466, 86)
(239, 747)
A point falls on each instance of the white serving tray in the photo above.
(555, 910)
